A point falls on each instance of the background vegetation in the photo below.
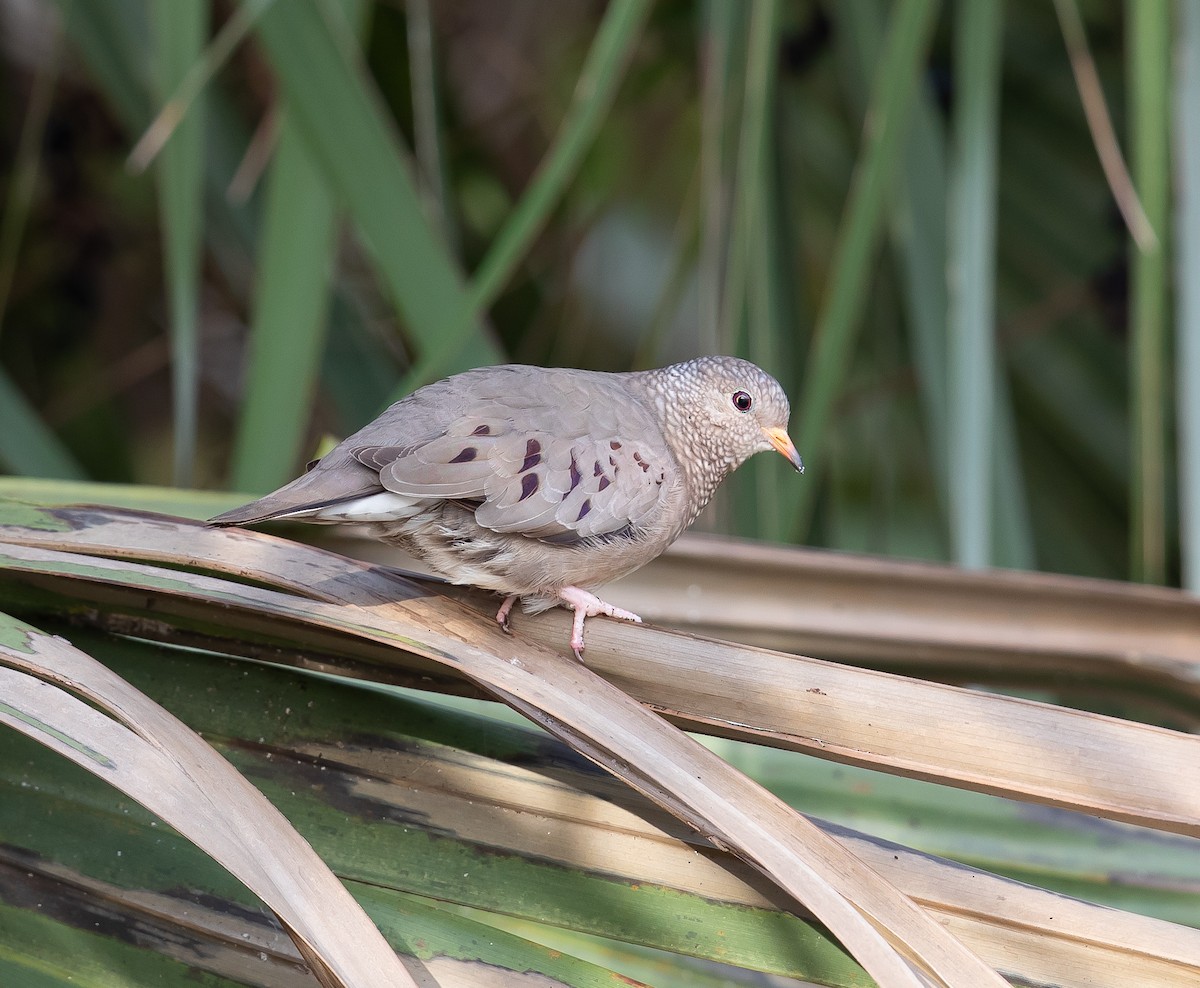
(898, 208)
(964, 236)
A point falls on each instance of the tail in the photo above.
(264, 509)
(334, 480)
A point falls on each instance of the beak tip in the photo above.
(783, 445)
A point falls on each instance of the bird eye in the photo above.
(742, 401)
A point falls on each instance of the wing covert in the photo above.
(533, 483)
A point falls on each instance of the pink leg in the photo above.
(586, 605)
(505, 610)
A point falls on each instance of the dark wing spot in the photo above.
(576, 476)
(467, 455)
(613, 444)
(584, 509)
(640, 462)
(598, 471)
(612, 463)
(482, 430)
(529, 485)
(603, 482)
(533, 455)
(311, 463)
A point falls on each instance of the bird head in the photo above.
(727, 409)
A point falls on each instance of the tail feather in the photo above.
(334, 480)
(268, 508)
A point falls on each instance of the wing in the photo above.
(562, 456)
(340, 477)
(545, 485)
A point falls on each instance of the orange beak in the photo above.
(783, 443)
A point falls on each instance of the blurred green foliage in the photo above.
(908, 225)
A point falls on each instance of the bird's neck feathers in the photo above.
(694, 442)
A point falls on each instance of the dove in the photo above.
(543, 484)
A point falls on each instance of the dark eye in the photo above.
(742, 401)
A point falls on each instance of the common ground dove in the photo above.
(543, 483)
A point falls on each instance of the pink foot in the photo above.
(505, 610)
(586, 605)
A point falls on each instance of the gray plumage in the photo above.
(543, 483)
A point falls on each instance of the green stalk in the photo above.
(112, 38)
(197, 76)
(1187, 166)
(353, 140)
(753, 191)
(427, 130)
(287, 334)
(972, 245)
(179, 31)
(719, 24)
(1149, 70)
(759, 201)
(917, 231)
(291, 311)
(891, 100)
(27, 445)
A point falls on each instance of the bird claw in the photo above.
(586, 605)
(504, 612)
